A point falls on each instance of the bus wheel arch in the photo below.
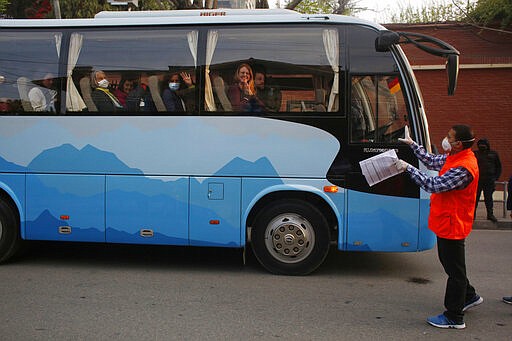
(291, 232)
(10, 238)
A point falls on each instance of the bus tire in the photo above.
(290, 237)
(9, 232)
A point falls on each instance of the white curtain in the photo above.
(213, 36)
(192, 38)
(58, 41)
(74, 101)
(330, 38)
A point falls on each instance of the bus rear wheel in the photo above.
(9, 232)
(290, 237)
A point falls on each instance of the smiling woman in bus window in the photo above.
(123, 90)
(242, 93)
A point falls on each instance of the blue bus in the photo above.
(269, 161)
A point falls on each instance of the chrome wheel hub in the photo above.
(289, 238)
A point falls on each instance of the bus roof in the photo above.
(189, 17)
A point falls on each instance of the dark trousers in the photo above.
(458, 290)
(488, 188)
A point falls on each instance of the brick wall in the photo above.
(483, 98)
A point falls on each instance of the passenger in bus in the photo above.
(42, 97)
(271, 97)
(358, 121)
(358, 124)
(4, 105)
(176, 96)
(139, 99)
(105, 100)
(124, 88)
(242, 93)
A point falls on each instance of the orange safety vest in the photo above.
(452, 212)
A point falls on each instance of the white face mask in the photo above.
(446, 145)
(174, 86)
(103, 83)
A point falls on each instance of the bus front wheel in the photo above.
(9, 232)
(290, 237)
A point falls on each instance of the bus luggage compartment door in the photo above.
(147, 210)
(65, 207)
(215, 212)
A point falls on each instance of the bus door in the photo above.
(385, 216)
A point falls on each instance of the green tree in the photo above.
(83, 9)
(89, 8)
(495, 13)
(3, 5)
(346, 7)
(456, 10)
(492, 12)
(69, 8)
(312, 7)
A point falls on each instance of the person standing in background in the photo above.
(489, 165)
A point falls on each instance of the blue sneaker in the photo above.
(441, 321)
(507, 299)
(476, 300)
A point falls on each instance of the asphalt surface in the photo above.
(122, 292)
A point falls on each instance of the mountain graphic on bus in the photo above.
(130, 201)
(6, 166)
(67, 158)
(239, 166)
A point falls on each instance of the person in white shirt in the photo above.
(42, 98)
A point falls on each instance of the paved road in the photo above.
(96, 292)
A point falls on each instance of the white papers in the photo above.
(379, 167)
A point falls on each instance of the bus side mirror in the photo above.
(452, 68)
(385, 40)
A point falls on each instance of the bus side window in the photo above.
(29, 72)
(300, 67)
(378, 112)
(143, 57)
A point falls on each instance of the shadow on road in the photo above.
(130, 256)
(175, 258)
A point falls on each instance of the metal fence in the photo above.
(500, 196)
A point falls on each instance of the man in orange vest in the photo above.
(451, 215)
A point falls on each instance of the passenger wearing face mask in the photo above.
(489, 165)
(176, 96)
(105, 101)
(452, 206)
